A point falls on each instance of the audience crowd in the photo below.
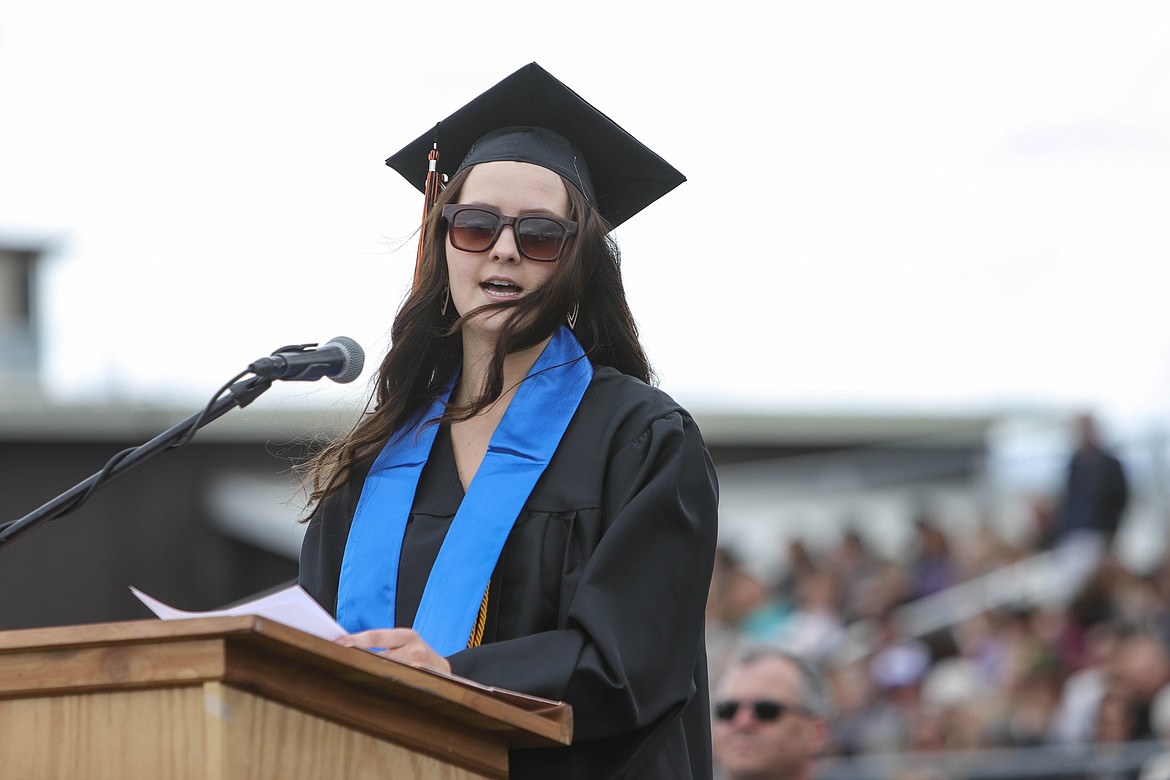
(1091, 668)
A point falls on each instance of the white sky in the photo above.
(891, 206)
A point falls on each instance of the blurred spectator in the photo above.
(1158, 767)
(799, 563)
(1032, 700)
(1159, 618)
(735, 593)
(1089, 509)
(771, 713)
(1075, 719)
(852, 694)
(1119, 717)
(952, 694)
(1142, 669)
(860, 576)
(1140, 600)
(1093, 605)
(898, 667)
(933, 568)
(1118, 722)
(997, 642)
(814, 628)
(1095, 492)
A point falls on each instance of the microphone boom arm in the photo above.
(239, 394)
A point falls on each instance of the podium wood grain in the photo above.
(244, 698)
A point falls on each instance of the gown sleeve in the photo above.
(625, 651)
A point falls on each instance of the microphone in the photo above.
(341, 359)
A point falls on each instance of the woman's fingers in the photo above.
(401, 644)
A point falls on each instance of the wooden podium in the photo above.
(234, 698)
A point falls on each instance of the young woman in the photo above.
(522, 508)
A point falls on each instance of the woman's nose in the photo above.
(505, 249)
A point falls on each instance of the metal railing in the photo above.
(1081, 762)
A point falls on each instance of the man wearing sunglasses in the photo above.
(769, 717)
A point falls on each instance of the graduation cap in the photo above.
(532, 117)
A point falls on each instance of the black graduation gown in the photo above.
(598, 596)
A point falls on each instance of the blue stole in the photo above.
(520, 449)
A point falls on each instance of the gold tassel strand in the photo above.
(480, 621)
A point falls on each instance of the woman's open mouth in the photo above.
(501, 288)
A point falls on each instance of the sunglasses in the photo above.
(763, 710)
(472, 228)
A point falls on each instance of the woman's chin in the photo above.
(488, 322)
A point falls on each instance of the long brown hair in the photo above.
(427, 349)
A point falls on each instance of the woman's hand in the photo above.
(401, 644)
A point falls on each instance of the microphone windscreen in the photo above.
(355, 359)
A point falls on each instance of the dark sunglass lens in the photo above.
(540, 239)
(766, 711)
(725, 710)
(473, 230)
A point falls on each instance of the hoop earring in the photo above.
(446, 299)
(572, 318)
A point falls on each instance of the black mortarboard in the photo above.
(532, 117)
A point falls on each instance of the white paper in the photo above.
(292, 606)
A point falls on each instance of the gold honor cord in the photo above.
(480, 621)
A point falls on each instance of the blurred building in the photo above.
(810, 477)
(18, 337)
(155, 527)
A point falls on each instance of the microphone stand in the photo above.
(240, 394)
